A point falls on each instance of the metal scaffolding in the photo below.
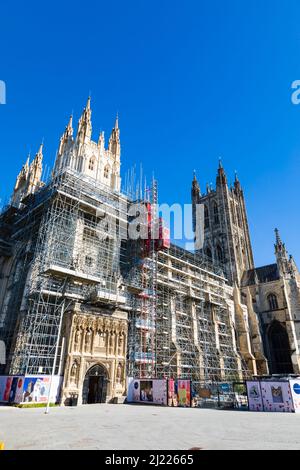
(77, 257)
(194, 328)
(71, 244)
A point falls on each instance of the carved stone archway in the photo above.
(95, 385)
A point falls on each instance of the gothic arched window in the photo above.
(106, 171)
(206, 217)
(233, 212)
(273, 303)
(80, 164)
(92, 164)
(208, 252)
(240, 219)
(216, 213)
(220, 255)
(280, 350)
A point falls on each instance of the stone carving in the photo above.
(119, 373)
(88, 340)
(120, 344)
(74, 373)
(77, 340)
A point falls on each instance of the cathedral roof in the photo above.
(263, 274)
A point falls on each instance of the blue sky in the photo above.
(192, 80)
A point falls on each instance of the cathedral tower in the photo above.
(226, 231)
(91, 159)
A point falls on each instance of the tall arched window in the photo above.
(80, 164)
(92, 163)
(280, 350)
(106, 171)
(206, 217)
(233, 212)
(216, 213)
(240, 219)
(208, 252)
(273, 303)
(220, 255)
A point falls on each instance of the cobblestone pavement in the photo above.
(116, 427)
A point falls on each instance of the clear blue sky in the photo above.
(192, 80)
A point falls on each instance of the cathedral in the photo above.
(81, 301)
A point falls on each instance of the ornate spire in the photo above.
(39, 154)
(36, 166)
(101, 140)
(279, 246)
(237, 184)
(69, 128)
(221, 177)
(114, 145)
(195, 185)
(84, 131)
(286, 264)
(26, 164)
(66, 137)
(88, 103)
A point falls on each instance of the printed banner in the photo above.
(255, 401)
(184, 392)
(147, 391)
(295, 389)
(277, 396)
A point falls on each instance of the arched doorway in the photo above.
(280, 351)
(95, 385)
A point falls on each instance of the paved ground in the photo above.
(144, 427)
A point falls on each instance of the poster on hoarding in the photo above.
(133, 390)
(295, 390)
(11, 389)
(147, 391)
(172, 393)
(19, 390)
(277, 396)
(184, 392)
(6, 389)
(36, 389)
(255, 401)
(3, 379)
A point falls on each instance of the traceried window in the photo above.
(106, 171)
(216, 213)
(240, 219)
(89, 262)
(220, 255)
(80, 163)
(233, 212)
(206, 217)
(208, 253)
(92, 164)
(273, 303)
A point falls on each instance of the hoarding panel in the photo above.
(255, 400)
(184, 392)
(151, 391)
(277, 396)
(295, 390)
